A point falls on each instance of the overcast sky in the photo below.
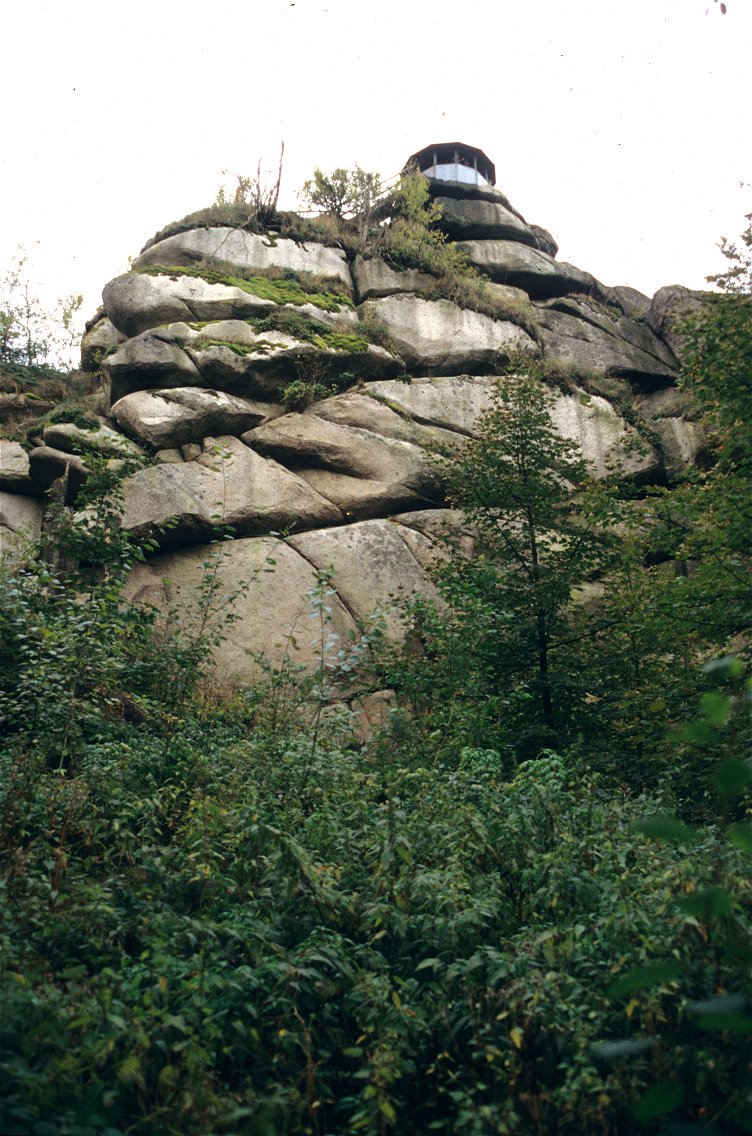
(623, 127)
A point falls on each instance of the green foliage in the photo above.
(346, 194)
(237, 917)
(311, 331)
(413, 239)
(506, 646)
(303, 392)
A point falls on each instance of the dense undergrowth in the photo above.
(520, 907)
(236, 917)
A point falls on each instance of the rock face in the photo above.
(302, 397)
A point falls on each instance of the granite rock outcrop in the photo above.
(300, 395)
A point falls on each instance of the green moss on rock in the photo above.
(280, 290)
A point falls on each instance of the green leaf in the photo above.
(659, 1101)
(660, 826)
(716, 707)
(740, 834)
(732, 777)
(641, 977)
(699, 732)
(709, 903)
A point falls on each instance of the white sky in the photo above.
(623, 126)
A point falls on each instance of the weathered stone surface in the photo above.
(683, 444)
(136, 302)
(436, 336)
(453, 403)
(574, 333)
(100, 339)
(47, 464)
(360, 499)
(14, 468)
(605, 439)
(374, 279)
(20, 518)
(103, 439)
(509, 262)
(468, 219)
(634, 304)
(153, 359)
(370, 411)
(546, 243)
(228, 484)
(373, 567)
(246, 251)
(305, 440)
(668, 307)
(275, 359)
(263, 582)
(467, 192)
(669, 402)
(507, 292)
(14, 407)
(167, 419)
(608, 443)
(372, 713)
(230, 356)
(170, 456)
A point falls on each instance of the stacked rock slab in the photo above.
(201, 344)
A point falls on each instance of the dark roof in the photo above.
(424, 157)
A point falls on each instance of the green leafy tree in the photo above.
(679, 589)
(348, 195)
(513, 623)
(708, 520)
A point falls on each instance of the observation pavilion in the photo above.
(454, 161)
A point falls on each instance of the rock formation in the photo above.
(208, 342)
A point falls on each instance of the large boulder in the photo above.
(469, 220)
(438, 337)
(362, 473)
(546, 242)
(100, 340)
(369, 409)
(373, 568)
(633, 303)
(510, 262)
(99, 438)
(228, 484)
(168, 418)
(137, 301)
(374, 278)
(588, 338)
(153, 359)
(683, 444)
(609, 444)
(453, 403)
(668, 308)
(247, 252)
(20, 520)
(231, 356)
(15, 471)
(261, 606)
